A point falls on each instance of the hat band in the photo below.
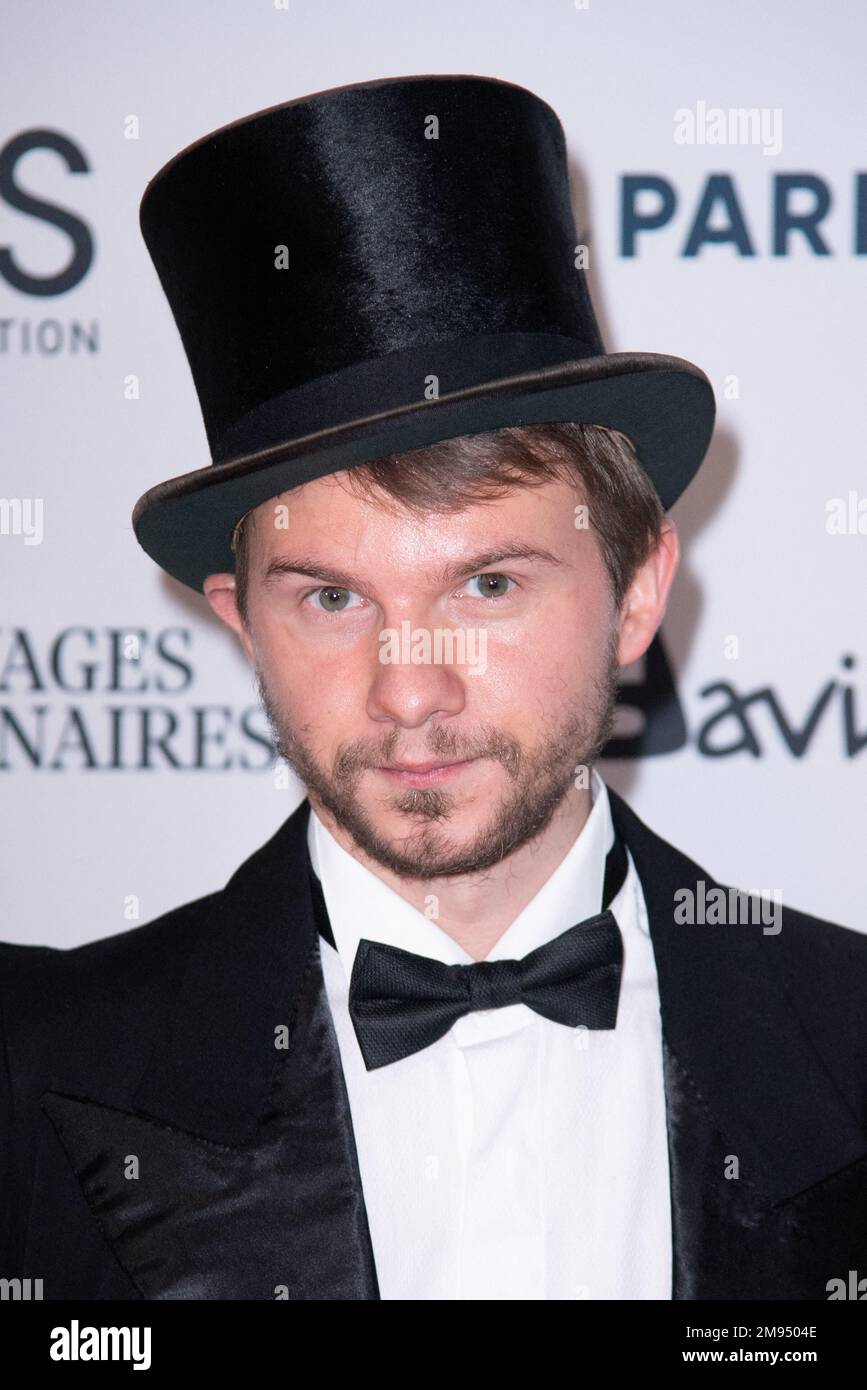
(406, 378)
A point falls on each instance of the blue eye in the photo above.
(491, 585)
(336, 599)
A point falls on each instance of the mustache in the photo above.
(440, 743)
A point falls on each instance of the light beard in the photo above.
(540, 779)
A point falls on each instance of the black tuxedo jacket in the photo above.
(156, 1143)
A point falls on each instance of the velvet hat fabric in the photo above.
(376, 268)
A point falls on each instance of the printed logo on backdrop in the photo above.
(789, 220)
(107, 699)
(716, 212)
(734, 719)
(50, 335)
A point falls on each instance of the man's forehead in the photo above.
(319, 499)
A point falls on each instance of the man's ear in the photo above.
(645, 601)
(219, 590)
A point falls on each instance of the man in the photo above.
(456, 1031)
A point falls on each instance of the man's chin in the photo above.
(425, 849)
(408, 816)
(418, 834)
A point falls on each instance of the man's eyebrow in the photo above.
(313, 568)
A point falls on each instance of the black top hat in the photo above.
(426, 288)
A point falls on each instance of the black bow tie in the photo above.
(401, 1002)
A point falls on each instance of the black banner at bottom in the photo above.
(224, 1338)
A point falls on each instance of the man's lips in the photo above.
(424, 774)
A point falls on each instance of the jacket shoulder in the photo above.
(99, 1002)
(92, 1014)
(818, 967)
(123, 952)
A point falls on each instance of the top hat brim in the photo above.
(664, 404)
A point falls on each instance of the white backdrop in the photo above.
(98, 95)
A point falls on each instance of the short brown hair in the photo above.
(623, 506)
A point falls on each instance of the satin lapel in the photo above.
(768, 1162)
(235, 1174)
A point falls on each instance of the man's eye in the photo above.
(492, 585)
(334, 599)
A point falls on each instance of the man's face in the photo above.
(338, 582)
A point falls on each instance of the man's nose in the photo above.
(414, 675)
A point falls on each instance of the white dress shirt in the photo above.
(515, 1158)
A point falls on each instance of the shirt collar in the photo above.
(360, 904)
